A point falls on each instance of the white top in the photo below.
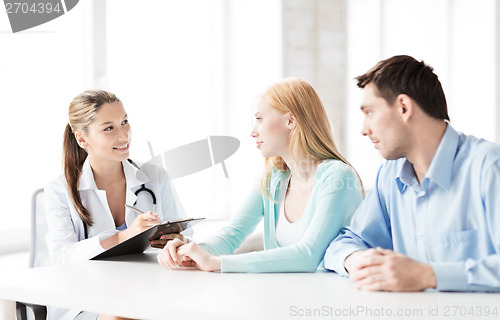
(287, 233)
(66, 239)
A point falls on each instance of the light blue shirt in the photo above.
(451, 220)
(122, 227)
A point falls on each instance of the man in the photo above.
(433, 217)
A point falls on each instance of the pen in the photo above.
(134, 208)
(138, 211)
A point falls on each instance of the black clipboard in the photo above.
(141, 241)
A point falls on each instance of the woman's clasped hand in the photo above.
(178, 253)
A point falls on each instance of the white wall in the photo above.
(192, 69)
(40, 71)
(456, 37)
(184, 70)
(188, 69)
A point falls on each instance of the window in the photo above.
(457, 38)
(191, 69)
(42, 69)
(184, 70)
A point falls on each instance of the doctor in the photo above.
(85, 207)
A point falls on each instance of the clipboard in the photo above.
(141, 241)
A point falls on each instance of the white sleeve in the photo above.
(65, 237)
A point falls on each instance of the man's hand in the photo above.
(384, 270)
(360, 259)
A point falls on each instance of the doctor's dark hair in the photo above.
(82, 111)
(405, 75)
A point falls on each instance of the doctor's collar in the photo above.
(133, 175)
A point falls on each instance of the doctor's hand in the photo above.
(141, 222)
(384, 270)
(164, 239)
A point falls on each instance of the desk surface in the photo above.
(136, 286)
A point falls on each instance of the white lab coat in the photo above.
(66, 236)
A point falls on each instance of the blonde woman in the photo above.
(85, 206)
(307, 193)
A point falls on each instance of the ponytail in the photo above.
(82, 111)
(74, 157)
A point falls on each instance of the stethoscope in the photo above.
(143, 188)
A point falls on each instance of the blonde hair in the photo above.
(82, 111)
(312, 138)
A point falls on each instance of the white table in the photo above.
(141, 288)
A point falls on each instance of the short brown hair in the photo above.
(405, 75)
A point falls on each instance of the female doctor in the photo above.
(85, 207)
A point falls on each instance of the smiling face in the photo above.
(108, 137)
(383, 124)
(271, 130)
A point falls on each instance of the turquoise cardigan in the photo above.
(335, 196)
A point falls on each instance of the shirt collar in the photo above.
(406, 176)
(276, 181)
(440, 170)
(87, 181)
(133, 175)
